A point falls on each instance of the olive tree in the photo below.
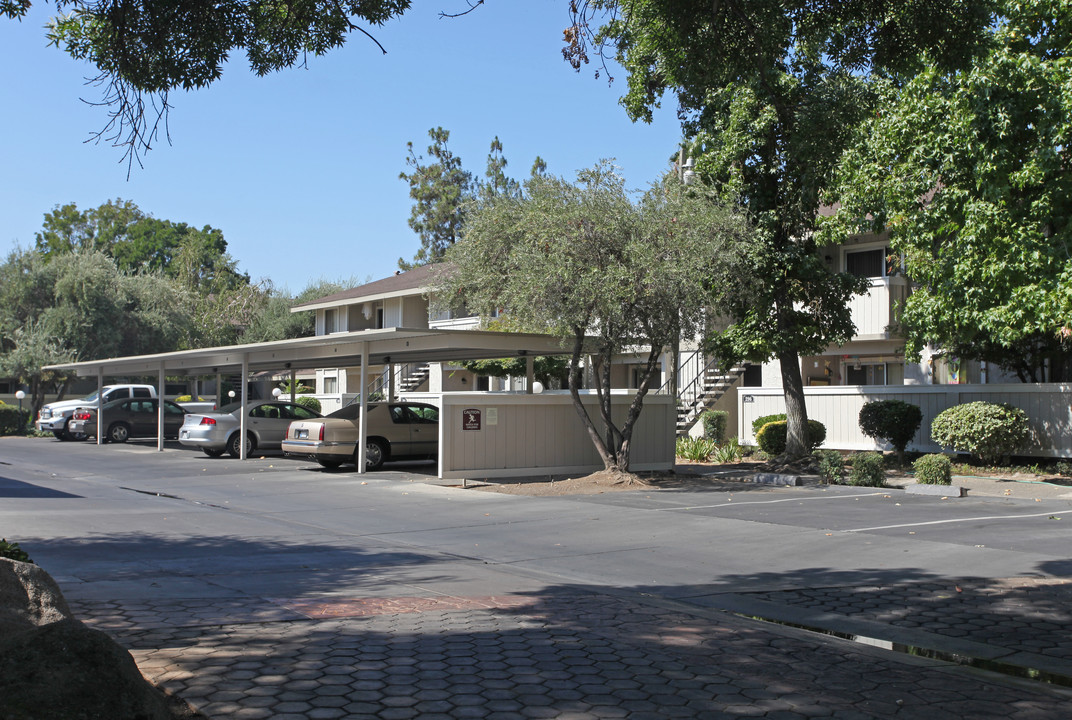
(585, 261)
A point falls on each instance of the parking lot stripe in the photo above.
(952, 520)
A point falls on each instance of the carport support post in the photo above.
(293, 383)
(362, 418)
(219, 390)
(530, 373)
(245, 402)
(100, 405)
(159, 410)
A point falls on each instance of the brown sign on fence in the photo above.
(470, 419)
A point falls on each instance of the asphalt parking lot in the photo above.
(246, 586)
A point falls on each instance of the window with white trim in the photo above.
(873, 263)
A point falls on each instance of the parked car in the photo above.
(396, 431)
(266, 426)
(129, 418)
(56, 416)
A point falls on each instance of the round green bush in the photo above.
(762, 420)
(867, 470)
(987, 430)
(771, 437)
(933, 470)
(893, 420)
(308, 401)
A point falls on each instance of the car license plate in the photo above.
(303, 434)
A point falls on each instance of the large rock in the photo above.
(52, 667)
(29, 598)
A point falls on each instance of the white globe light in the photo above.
(20, 394)
(276, 392)
(537, 387)
(230, 393)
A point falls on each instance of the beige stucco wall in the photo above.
(542, 435)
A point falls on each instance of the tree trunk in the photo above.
(605, 454)
(796, 438)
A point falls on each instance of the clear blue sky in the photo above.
(300, 169)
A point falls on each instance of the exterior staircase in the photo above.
(700, 385)
(411, 376)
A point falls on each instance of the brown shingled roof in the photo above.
(418, 277)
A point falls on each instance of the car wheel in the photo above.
(61, 435)
(212, 452)
(235, 450)
(118, 432)
(375, 454)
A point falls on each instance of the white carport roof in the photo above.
(344, 349)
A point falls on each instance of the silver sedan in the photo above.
(266, 426)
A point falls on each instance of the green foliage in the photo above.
(188, 398)
(144, 51)
(308, 401)
(585, 260)
(714, 424)
(697, 449)
(771, 93)
(764, 419)
(11, 421)
(548, 369)
(987, 430)
(867, 470)
(990, 252)
(771, 437)
(12, 551)
(1063, 467)
(831, 465)
(728, 452)
(933, 470)
(893, 420)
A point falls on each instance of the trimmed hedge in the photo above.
(933, 470)
(771, 437)
(893, 420)
(308, 401)
(987, 430)
(867, 470)
(11, 422)
(714, 424)
(762, 420)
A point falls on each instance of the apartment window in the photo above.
(865, 374)
(869, 263)
(331, 385)
(331, 321)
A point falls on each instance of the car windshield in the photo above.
(90, 398)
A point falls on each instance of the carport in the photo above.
(345, 349)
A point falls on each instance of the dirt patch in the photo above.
(699, 476)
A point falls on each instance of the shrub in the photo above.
(11, 422)
(933, 470)
(830, 465)
(771, 437)
(893, 420)
(987, 430)
(695, 449)
(762, 420)
(714, 424)
(189, 398)
(12, 551)
(728, 452)
(867, 470)
(1063, 467)
(308, 401)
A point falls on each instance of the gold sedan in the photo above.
(396, 431)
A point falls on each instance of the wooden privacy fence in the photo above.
(1048, 407)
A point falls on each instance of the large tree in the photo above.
(971, 173)
(584, 260)
(770, 92)
(443, 190)
(145, 50)
(80, 306)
